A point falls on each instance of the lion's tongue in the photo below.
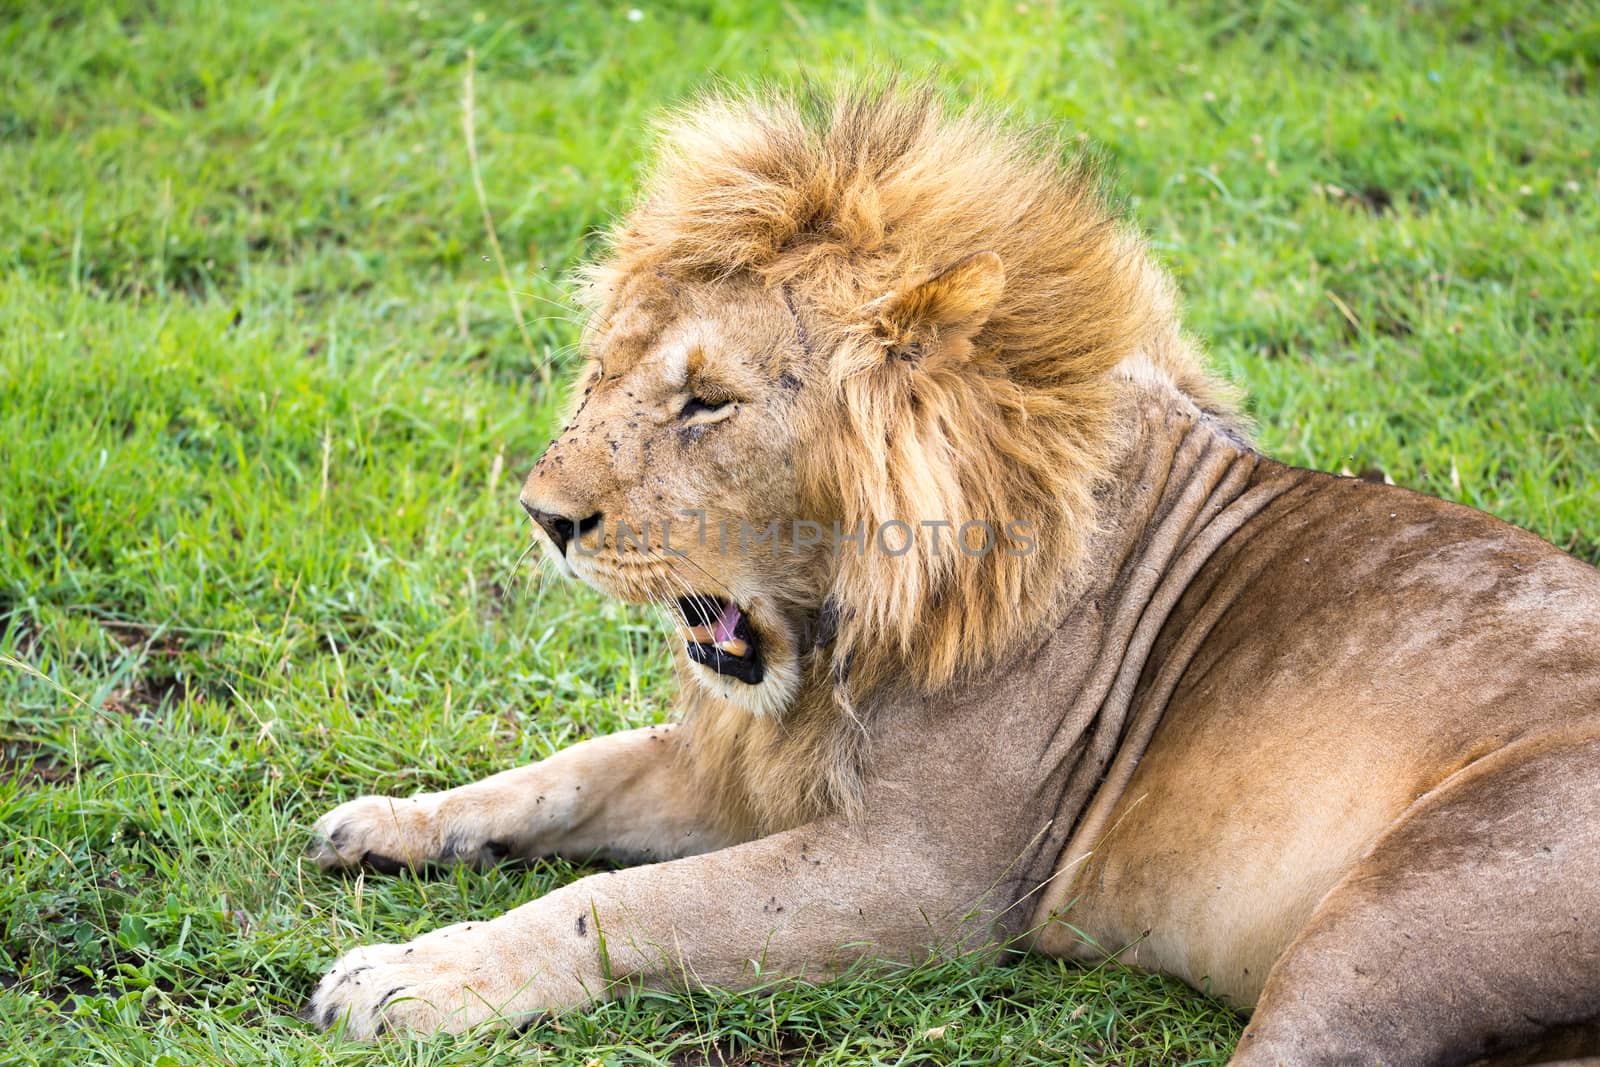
(722, 629)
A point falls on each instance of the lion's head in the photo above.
(849, 391)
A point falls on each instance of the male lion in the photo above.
(1074, 666)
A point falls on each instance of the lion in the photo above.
(995, 630)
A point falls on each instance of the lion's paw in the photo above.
(387, 833)
(390, 834)
(449, 980)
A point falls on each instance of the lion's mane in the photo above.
(844, 200)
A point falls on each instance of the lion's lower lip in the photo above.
(746, 668)
(720, 637)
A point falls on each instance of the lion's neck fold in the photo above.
(1185, 485)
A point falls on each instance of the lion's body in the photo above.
(1349, 651)
(1341, 659)
(1323, 747)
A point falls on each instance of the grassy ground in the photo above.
(264, 412)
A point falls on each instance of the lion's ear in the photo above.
(952, 303)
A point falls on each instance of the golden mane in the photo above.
(848, 203)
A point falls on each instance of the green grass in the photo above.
(265, 412)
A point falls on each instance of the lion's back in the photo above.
(1404, 596)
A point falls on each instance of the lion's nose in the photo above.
(560, 528)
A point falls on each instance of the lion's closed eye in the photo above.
(702, 411)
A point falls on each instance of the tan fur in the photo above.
(1322, 747)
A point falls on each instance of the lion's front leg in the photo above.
(624, 797)
(801, 904)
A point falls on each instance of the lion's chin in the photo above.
(771, 696)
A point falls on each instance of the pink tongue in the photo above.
(722, 629)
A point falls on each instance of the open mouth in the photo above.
(720, 637)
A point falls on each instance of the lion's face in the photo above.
(674, 483)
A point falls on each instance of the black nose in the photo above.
(560, 528)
